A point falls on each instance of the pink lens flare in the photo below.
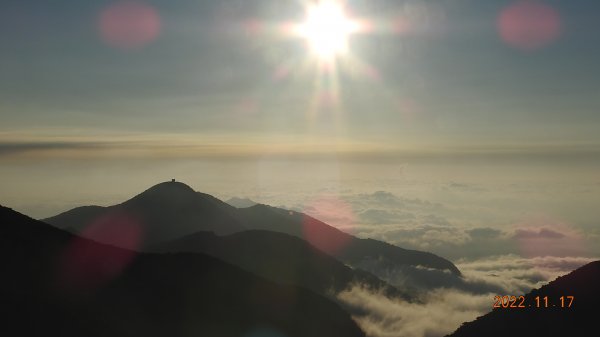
(544, 236)
(91, 260)
(129, 24)
(335, 212)
(529, 25)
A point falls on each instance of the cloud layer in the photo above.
(441, 311)
(460, 227)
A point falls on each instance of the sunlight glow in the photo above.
(327, 29)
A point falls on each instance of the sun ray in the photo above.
(327, 29)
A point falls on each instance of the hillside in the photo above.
(171, 210)
(166, 211)
(347, 248)
(281, 258)
(581, 319)
(56, 282)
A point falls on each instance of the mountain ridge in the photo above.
(555, 320)
(159, 207)
(171, 210)
(241, 202)
(282, 258)
(181, 295)
(345, 246)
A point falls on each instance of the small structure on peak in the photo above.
(173, 180)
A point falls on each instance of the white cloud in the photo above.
(442, 310)
(438, 313)
(518, 275)
(452, 230)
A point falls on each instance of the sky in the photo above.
(100, 99)
(430, 76)
(462, 127)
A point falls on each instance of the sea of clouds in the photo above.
(506, 240)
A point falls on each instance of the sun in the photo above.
(327, 29)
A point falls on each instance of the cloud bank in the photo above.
(441, 311)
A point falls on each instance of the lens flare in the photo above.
(529, 25)
(129, 24)
(334, 211)
(91, 260)
(541, 235)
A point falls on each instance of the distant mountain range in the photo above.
(553, 317)
(241, 202)
(56, 283)
(172, 210)
(281, 258)
(349, 249)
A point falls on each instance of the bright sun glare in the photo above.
(327, 29)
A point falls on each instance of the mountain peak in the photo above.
(164, 211)
(173, 190)
(173, 186)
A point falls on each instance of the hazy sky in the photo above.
(443, 76)
(219, 94)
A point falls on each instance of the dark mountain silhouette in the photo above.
(241, 202)
(350, 249)
(581, 319)
(166, 211)
(281, 258)
(58, 283)
(172, 209)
